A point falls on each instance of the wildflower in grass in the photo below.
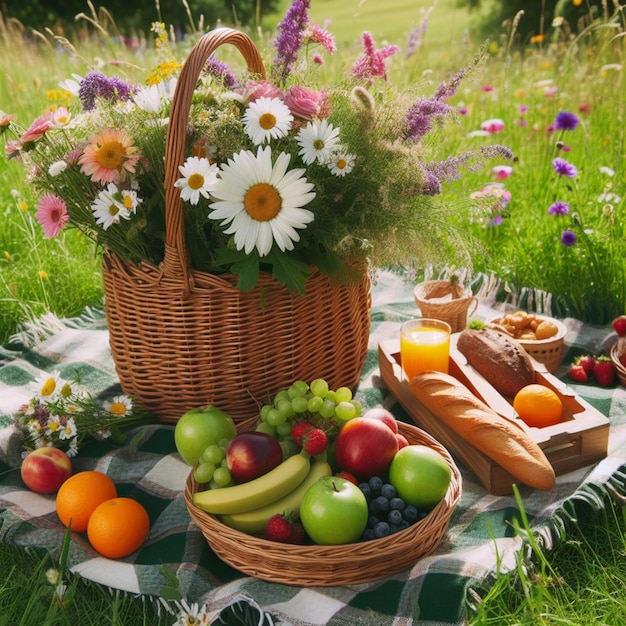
(290, 40)
(422, 114)
(564, 168)
(68, 429)
(267, 118)
(42, 274)
(317, 141)
(57, 167)
(60, 118)
(119, 405)
(341, 163)
(558, 208)
(221, 71)
(192, 615)
(149, 99)
(262, 201)
(109, 156)
(36, 131)
(97, 85)
(317, 59)
(52, 214)
(493, 126)
(317, 34)
(199, 177)
(607, 170)
(5, 121)
(566, 121)
(608, 196)
(255, 89)
(306, 103)
(568, 238)
(107, 209)
(502, 172)
(372, 63)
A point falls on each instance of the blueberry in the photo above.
(375, 483)
(410, 513)
(381, 529)
(367, 492)
(404, 524)
(389, 491)
(368, 534)
(380, 504)
(372, 520)
(396, 504)
(394, 517)
(394, 528)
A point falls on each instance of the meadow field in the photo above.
(570, 260)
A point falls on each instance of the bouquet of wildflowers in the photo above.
(280, 174)
(64, 415)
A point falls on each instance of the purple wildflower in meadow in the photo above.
(564, 168)
(371, 64)
(558, 208)
(96, 85)
(221, 71)
(290, 40)
(566, 121)
(568, 238)
(421, 115)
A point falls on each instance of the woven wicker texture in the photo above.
(621, 370)
(548, 351)
(181, 338)
(313, 565)
(428, 297)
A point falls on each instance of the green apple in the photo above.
(420, 475)
(334, 511)
(200, 428)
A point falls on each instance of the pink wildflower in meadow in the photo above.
(501, 172)
(52, 214)
(36, 130)
(372, 62)
(109, 156)
(493, 126)
(317, 34)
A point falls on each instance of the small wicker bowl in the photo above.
(547, 351)
(346, 564)
(621, 370)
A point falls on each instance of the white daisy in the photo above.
(68, 431)
(54, 425)
(57, 167)
(148, 99)
(107, 209)
(129, 200)
(48, 385)
(119, 406)
(317, 139)
(341, 163)
(199, 178)
(267, 118)
(262, 202)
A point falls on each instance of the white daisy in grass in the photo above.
(199, 178)
(317, 139)
(262, 201)
(341, 163)
(129, 199)
(68, 429)
(267, 118)
(119, 406)
(48, 385)
(107, 209)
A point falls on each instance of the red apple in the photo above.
(402, 441)
(250, 455)
(45, 469)
(365, 447)
(385, 416)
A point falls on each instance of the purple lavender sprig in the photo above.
(221, 71)
(290, 40)
(96, 85)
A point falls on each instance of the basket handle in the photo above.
(176, 262)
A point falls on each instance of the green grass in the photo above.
(581, 581)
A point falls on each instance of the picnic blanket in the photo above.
(176, 558)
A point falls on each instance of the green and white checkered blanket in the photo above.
(436, 590)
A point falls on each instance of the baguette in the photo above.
(493, 435)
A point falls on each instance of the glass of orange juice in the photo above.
(424, 345)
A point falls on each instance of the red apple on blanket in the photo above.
(45, 469)
(365, 447)
(250, 455)
(385, 416)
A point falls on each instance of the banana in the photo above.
(254, 522)
(255, 493)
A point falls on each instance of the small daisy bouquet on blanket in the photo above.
(280, 174)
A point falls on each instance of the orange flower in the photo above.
(109, 156)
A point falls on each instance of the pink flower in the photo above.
(502, 171)
(371, 63)
(307, 104)
(12, 148)
(317, 34)
(37, 130)
(52, 214)
(493, 126)
(317, 59)
(256, 89)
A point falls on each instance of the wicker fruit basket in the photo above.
(348, 564)
(439, 299)
(182, 338)
(621, 370)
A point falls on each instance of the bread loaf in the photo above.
(499, 358)
(493, 435)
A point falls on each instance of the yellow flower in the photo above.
(7, 255)
(577, 3)
(537, 39)
(43, 275)
(23, 205)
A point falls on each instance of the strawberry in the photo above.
(578, 374)
(315, 442)
(299, 430)
(278, 528)
(604, 371)
(348, 476)
(619, 325)
(297, 535)
(587, 362)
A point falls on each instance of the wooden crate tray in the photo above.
(579, 440)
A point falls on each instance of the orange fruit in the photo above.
(79, 496)
(118, 527)
(538, 405)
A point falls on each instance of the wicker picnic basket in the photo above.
(182, 338)
(347, 564)
(435, 300)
